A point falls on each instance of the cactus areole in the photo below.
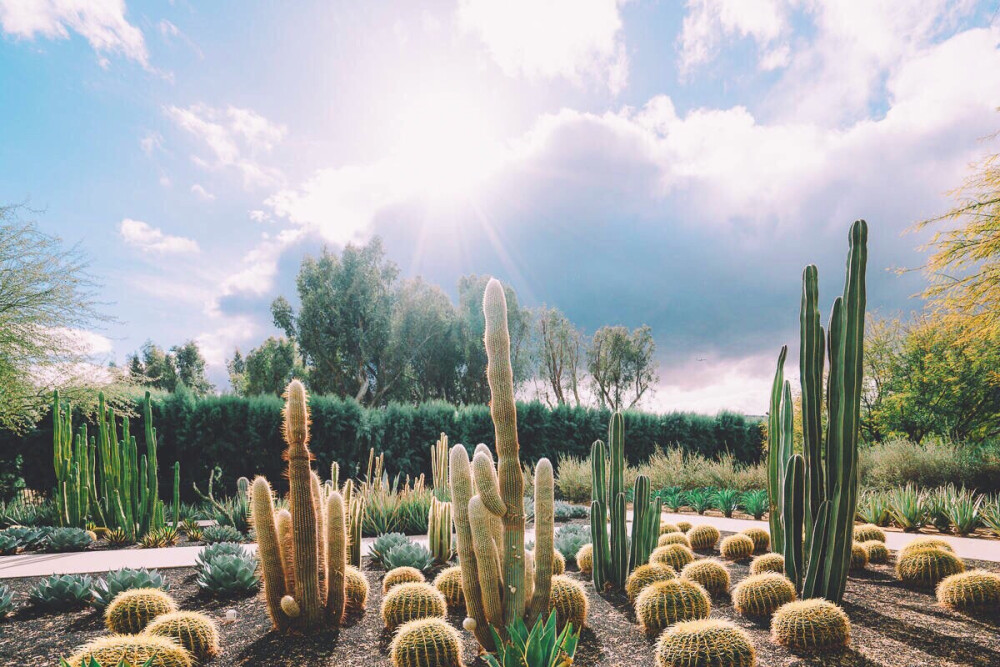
(814, 495)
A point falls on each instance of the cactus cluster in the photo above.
(308, 563)
(813, 495)
(410, 601)
(644, 575)
(710, 573)
(500, 583)
(867, 532)
(449, 582)
(975, 590)
(615, 554)
(737, 547)
(439, 515)
(703, 537)
(146, 650)
(705, 643)
(925, 567)
(761, 539)
(673, 538)
(663, 603)
(569, 601)
(426, 642)
(585, 558)
(672, 555)
(768, 563)
(196, 632)
(401, 575)
(811, 625)
(760, 595)
(132, 610)
(877, 552)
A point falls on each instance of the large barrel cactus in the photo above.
(499, 584)
(313, 546)
(814, 494)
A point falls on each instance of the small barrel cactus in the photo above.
(672, 555)
(768, 563)
(703, 537)
(663, 603)
(194, 631)
(877, 553)
(449, 582)
(761, 539)
(809, 625)
(673, 538)
(402, 575)
(684, 526)
(758, 596)
(710, 573)
(924, 568)
(426, 642)
(568, 599)
(355, 590)
(585, 558)
(669, 528)
(558, 563)
(644, 575)
(976, 590)
(133, 650)
(927, 543)
(867, 532)
(132, 610)
(736, 547)
(859, 556)
(410, 601)
(709, 642)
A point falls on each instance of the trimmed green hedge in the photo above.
(243, 435)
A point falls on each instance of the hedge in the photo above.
(243, 436)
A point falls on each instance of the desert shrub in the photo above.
(573, 478)
(930, 463)
(565, 511)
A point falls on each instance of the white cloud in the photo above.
(101, 22)
(150, 239)
(201, 192)
(83, 343)
(235, 138)
(708, 21)
(577, 40)
(152, 141)
(260, 264)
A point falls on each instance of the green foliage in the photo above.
(570, 539)
(908, 507)
(220, 533)
(267, 369)
(544, 646)
(66, 539)
(963, 509)
(8, 544)
(991, 514)
(754, 503)
(27, 509)
(726, 501)
(6, 600)
(410, 554)
(114, 582)
(383, 543)
(810, 625)
(212, 551)
(700, 500)
(233, 511)
(182, 366)
(622, 365)
(705, 643)
(566, 511)
(873, 507)
(931, 463)
(61, 592)
(225, 576)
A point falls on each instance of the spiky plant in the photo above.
(924, 568)
(220, 533)
(196, 632)
(737, 547)
(426, 642)
(226, 576)
(754, 503)
(644, 575)
(761, 539)
(106, 588)
(672, 555)
(119, 537)
(811, 625)
(710, 573)
(908, 507)
(868, 532)
(758, 596)
(666, 528)
(6, 600)
(663, 603)
(410, 554)
(673, 538)
(703, 537)
(569, 539)
(449, 582)
(569, 601)
(705, 643)
(975, 590)
(770, 562)
(401, 575)
(62, 540)
(878, 554)
(148, 651)
(132, 610)
(61, 592)
(152, 540)
(383, 544)
(920, 543)
(585, 558)
(700, 500)
(411, 601)
(684, 526)
(963, 509)
(873, 507)
(356, 590)
(9, 544)
(726, 501)
(859, 557)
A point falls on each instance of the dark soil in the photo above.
(892, 626)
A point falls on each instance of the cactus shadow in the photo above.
(273, 648)
(846, 656)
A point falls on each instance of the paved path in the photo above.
(32, 565)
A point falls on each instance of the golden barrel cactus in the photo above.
(132, 610)
(663, 603)
(710, 573)
(811, 625)
(709, 642)
(426, 642)
(196, 632)
(408, 602)
(758, 596)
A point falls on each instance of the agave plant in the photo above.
(105, 590)
(6, 600)
(61, 592)
(726, 501)
(699, 500)
(409, 554)
(544, 646)
(990, 515)
(67, 539)
(873, 507)
(936, 508)
(673, 498)
(570, 538)
(963, 509)
(8, 544)
(221, 533)
(28, 537)
(755, 503)
(119, 537)
(226, 575)
(383, 543)
(565, 511)
(907, 505)
(213, 551)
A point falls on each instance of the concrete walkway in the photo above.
(33, 565)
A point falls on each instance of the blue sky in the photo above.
(630, 162)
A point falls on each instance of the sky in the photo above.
(627, 161)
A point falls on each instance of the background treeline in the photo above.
(243, 435)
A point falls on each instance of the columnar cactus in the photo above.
(616, 553)
(813, 495)
(487, 504)
(439, 530)
(303, 552)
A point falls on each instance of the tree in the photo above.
(154, 367)
(473, 387)
(558, 347)
(622, 365)
(267, 369)
(964, 268)
(237, 369)
(190, 367)
(47, 306)
(883, 339)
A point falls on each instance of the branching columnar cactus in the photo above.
(758, 596)
(711, 574)
(810, 625)
(976, 590)
(664, 603)
(615, 553)
(924, 568)
(408, 602)
(426, 642)
(488, 507)
(644, 575)
(196, 632)
(768, 563)
(736, 547)
(706, 643)
(132, 610)
(814, 495)
(303, 556)
(132, 650)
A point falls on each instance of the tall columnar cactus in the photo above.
(813, 495)
(303, 555)
(354, 502)
(73, 460)
(615, 555)
(488, 508)
(439, 515)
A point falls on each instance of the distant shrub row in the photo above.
(243, 435)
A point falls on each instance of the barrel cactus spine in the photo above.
(132, 610)
(704, 643)
(674, 555)
(877, 552)
(402, 575)
(426, 642)
(664, 603)
(770, 562)
(811, 625)
(411, 601)
(449, 582)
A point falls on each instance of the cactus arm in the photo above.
(544, 538)
(793, 498)
(491, 583)
(775, 465)
(811, 360)
(336, 555)
(177, 493)
(599, 516)
(283, 525)
(641, 545)
(315, 487)
(487, 485)
(616, 497)
(269, 551)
